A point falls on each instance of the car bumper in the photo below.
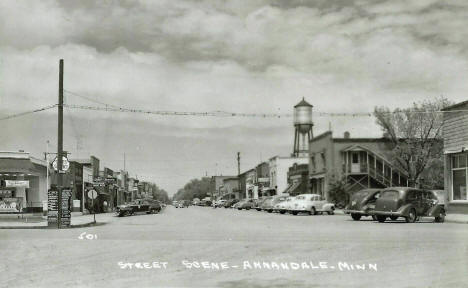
(387, 213)
(359, 212)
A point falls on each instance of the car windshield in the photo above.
(390, 195)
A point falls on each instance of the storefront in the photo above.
(455, 133)
(22, 183)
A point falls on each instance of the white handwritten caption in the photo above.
(254, 265)
(87, 236)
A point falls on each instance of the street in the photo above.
(240, 248)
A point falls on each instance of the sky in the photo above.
(250, 56)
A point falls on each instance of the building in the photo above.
(455, 134)
(247, 188)
(359, 162)
(298, 176)
(23, 182)
(278, 168)
(215, 186)
(230, 189)
(262, 179)
(72, 179)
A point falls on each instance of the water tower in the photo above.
(303, 128)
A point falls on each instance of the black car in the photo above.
(231, 202)
(362, 203)
(409, 203)
(148, 206)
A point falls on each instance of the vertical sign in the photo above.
(66, 207)
(52, 207)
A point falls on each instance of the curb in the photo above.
(88, 224)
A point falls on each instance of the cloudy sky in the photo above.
(252, 56)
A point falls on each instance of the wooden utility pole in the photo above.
(238, 173)
(60, 146)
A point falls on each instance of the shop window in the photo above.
(459, 185)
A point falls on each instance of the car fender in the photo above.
(404, 210)
(328, 207)
(436, 211)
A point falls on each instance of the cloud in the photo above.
(243, 56)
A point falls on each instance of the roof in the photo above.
(455, 106)
(17, 165)
(303, 103)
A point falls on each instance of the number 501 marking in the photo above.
(85, 235)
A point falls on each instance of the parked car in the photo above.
(195, 201)
(138, 206)
(231, 202)
(441, 197)
(220, 203)
(284, 206)
(258, 204)
(246, 204)
(205, 203)
(362, 203)
(409, 203)
(270, 204)
(312, 204)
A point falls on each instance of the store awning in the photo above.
(293, 187)
(16, 165)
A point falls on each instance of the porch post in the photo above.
(368, 171)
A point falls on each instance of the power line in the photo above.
(28, 112)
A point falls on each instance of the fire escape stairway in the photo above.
(384, 173)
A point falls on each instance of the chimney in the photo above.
(346, 135)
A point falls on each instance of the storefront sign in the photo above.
(10, 205)
(17, 183)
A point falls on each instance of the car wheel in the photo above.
(356, 217)
(282, 212)
(374, 217)
(248, 208)
(258, 209)
(440, 218)
(411, 218)
(381, 218)
(312, 211)
(269, 211)
(239, 208)
(294, 213)
(331, 212)
(393, 218)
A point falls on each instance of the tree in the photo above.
(415, 138)
(196, 188)
(338, 193)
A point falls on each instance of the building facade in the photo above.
(298, 176)
(278, 168)
(23, 182)
(359, 162)
(455, 134)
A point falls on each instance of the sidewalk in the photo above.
(449, 218)
(31, 221)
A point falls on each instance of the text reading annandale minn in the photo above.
(254, 265)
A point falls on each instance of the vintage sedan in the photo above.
(362, 203)
(284, 206)
(269, 204)
(258, 204)
(148, 206)
(246, 204)
(312, 204)
(230, 203)
(409, 203)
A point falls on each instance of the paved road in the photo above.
(423, 254)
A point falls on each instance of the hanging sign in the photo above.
(65, 164)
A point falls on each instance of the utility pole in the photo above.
(60, 146)
(238, 173)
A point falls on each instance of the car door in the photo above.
(414, 198)
(429, 201)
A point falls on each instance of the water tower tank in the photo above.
(303, 116)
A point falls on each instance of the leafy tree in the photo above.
(196, 188)
(415, 138)
(338, 193)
